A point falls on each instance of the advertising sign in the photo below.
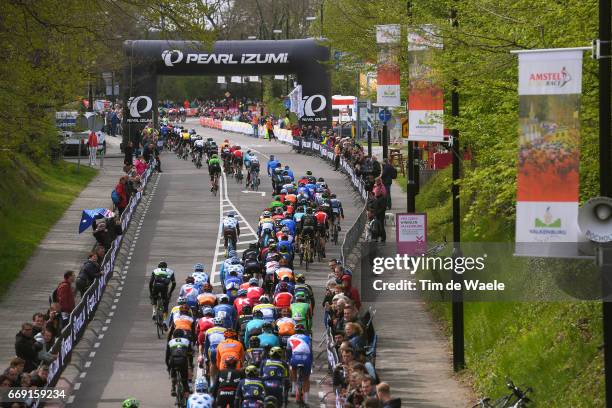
(388, 71)
(425, 98)
(550, 84)
(411, 234)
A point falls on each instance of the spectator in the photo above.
(46, 341)
(389, 173)
(354, 335)
(379, 189)
(376, 169)
(26, 347)
(383, 391)
(350, 291)
(65, 296)
(54, 318)
(5, 382)
(100, 251)
(92, 144)
(371, 402)
(88, 273)
(128, 152)
(25, 380)
(39, 378)
(121, 189)
(141, 165)
(13, 374)
(101, 234)
(38, 323)
(18, 364)
(367, 386)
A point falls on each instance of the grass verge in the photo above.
(32, 199)
(553, 347)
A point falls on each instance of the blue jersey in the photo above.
(227, 313)
(289, 223)
(268, 340)
(271, 166)
(251, 326)
(289, 173)
(284, 246)
(200, 400)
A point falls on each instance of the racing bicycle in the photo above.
(180, 391)
(215, 184)
(254, 181)
(306, 253)
(239, 175)
(335, 230)
(159, 316)
(516, 399)
(299, 389)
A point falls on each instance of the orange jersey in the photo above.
(286, 326)
(284, 271)
(226, 348)
(291, 197)
(183, 322)
(207, 299)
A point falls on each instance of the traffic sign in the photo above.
(384, 115)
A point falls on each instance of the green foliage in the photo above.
(32, 200)
(476, 54)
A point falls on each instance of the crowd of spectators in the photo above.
(354, 377)
(35, 340)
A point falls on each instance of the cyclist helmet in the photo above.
(223, 299)
(264, 299)
(299, 277)
(192, 131)
(208, 311)
(230, 334)
(308, 173)
(271, 157)
(253, 282)
(198, 267)
(181, 301)
(267, 327)
(231, 361)
(300, 297)
(246, 310)
(190, 279)
(254, 342)
(218, 321)
(321, 180)
(258, 314)
(272, 246)
(251, 371)
(309, 210)
(267, 214)
(231, 214)
(276, 352)
(162, 265)
(242, 292)
(214, 156)
(283, 287)
(201, 385)
(285, 230)
(299, 327)
(270, 402)
(130, 403)
(249, 151)
(332, 195)
(207, 287)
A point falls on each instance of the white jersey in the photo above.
(198, 400)
(200, 277)
(230, 223)
(199, 143)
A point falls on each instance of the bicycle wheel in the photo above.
(159, 317)
(299, 390)
(179, 390)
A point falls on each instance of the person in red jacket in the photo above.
(65, 296)
(351, 291)
(121, 189)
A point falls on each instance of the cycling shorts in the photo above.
(304, 359)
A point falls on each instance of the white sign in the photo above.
(388, 34)
(427, 124)
(550, 73)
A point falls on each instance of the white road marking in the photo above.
(97, 344)
(87, 364)
(92, 354)
(77, 386)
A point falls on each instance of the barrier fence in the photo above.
(85, 310)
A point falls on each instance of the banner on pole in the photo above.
(425, 98)
(388, 70)
(550, 85)
(220, 79)
(236, 79)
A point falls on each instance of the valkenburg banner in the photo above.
(550, 84)
(388, 70)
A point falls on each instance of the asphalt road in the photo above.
(182, 227)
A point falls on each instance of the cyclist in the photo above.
(224, 388)
(272, 164)
(207, 298)
(300, 311)
(231, 229)
(322, 227)
(198, 146)
(213, 337)
(251, 391)
(232, 285)
(274, 374)
(301, 287)
(253, 173)
(200, 398)
(230, 346)
(161, 278)
(299, 349)
(214, 170)
(237, 159)
(285, 326)
(267, 309)
(255, 353)
(130, 403)
(200, 276)
(177, 359)
(241, 301)
(204, 323)
(190, 292)
(254, 291)
(289, 172)
(244, 319)
(181, 319)
(283, 298)
(337, 210)
(253, 326)
(307, 226)
(267, 339)
(225, 311)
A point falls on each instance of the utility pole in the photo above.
(357, 114)
(457, 304)
(411, 187)
(605, 174)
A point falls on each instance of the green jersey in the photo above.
(300, 312)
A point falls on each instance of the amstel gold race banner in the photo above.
(388, 69)
(425, 98)
(550, 84)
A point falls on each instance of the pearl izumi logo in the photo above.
(137, 105)
(310, 108)
(172, 57)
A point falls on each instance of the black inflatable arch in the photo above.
(149, 58)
